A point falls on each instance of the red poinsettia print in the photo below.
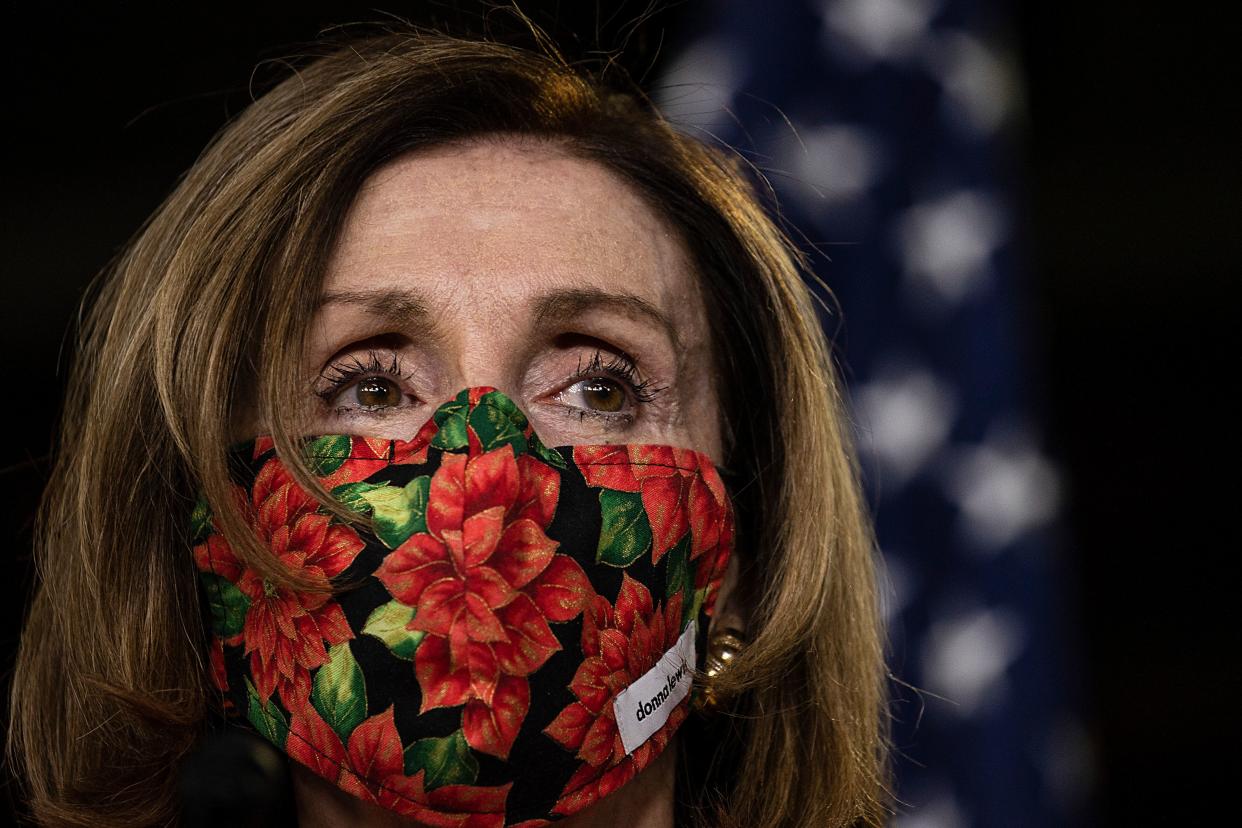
(485, 581)
(286, 633)
(675, 493)
(621, 644)
(371, 767)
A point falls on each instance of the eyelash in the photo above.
(347, 372)
(619, 366)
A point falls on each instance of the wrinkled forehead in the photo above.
(488, 223)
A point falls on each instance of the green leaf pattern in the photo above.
(352, 495)
(226, 603)
(547, 455)
(326, 454)
(625, 534)
(339, 693)
(388, 623)
(267, 718)
(450, 421)
(679, 578)
(445, 761)
(496, 421)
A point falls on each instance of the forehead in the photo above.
(489, 221)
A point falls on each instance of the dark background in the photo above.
(1129, 157)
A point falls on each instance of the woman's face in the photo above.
(519, 267)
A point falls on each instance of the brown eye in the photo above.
(603, 394)
(378, 392)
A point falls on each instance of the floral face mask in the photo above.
(518, 635)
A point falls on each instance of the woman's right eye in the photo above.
(376, 392)
(365, 385)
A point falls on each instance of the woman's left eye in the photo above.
(611, 391)
(595, 394)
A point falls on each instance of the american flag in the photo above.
(885, 128)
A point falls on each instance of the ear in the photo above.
(728, 613)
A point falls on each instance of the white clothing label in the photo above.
(643, 707)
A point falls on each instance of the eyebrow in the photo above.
(408, 308)
(565, 305)
(401, 308)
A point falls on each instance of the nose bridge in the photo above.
(486, 348)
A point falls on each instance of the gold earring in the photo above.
(722, 648)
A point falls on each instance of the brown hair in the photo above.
(212, 299)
